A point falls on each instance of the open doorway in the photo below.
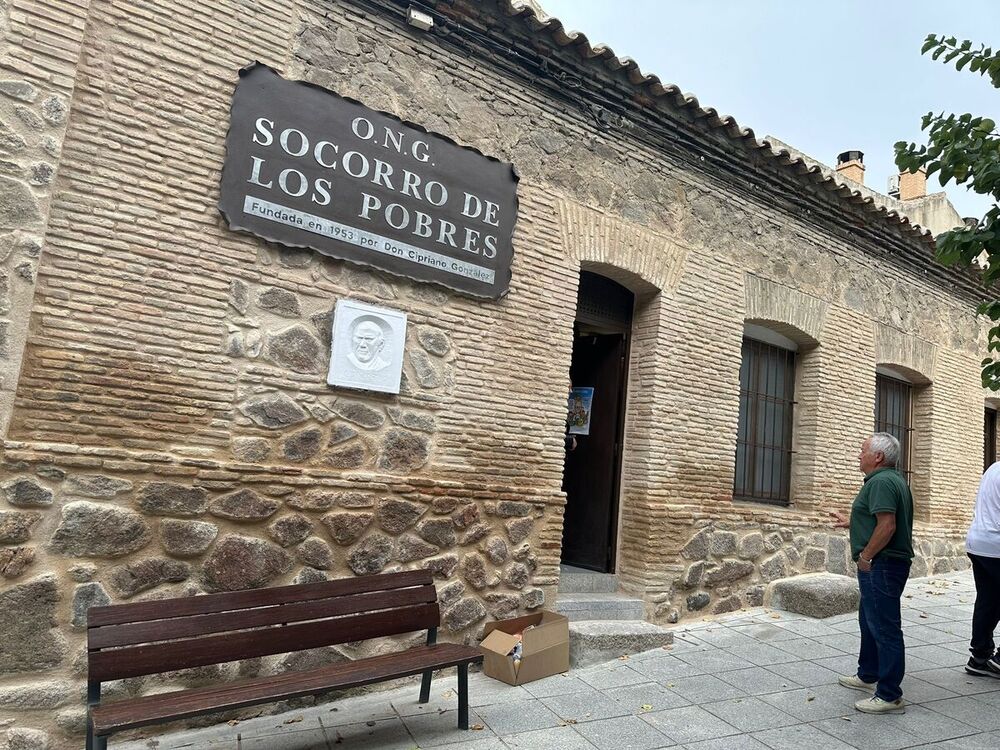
(598, 375)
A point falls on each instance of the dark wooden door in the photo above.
(592, 470)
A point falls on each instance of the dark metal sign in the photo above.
(308, 168)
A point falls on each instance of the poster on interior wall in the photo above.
(306, 167)
(366, 347)
(580, 401)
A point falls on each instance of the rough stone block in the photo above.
(168, 499)
(722, 544)
(596, 641)
(91, 530)
(244, 505)
(85, 596)
(15, 527)
(239, 562)
(187, 538)
(814, 595)
(27, 617)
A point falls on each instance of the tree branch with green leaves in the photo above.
(965, 150)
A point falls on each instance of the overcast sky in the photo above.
(822, 76)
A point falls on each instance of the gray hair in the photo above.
(887, 445)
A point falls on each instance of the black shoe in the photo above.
(988, 668)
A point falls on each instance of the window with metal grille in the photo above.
(893, 405)
(989, 438)
(764, 435)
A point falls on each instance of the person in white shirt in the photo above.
(983, 547)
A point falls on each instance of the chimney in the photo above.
(912, 185)
(851, 164)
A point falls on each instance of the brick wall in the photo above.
(158, 347)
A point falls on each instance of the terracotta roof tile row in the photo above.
(652, 84)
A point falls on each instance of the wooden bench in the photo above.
(130, 640)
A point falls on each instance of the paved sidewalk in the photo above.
(748, 681)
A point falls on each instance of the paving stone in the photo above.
(859, 731)
(666, 670)
(689, 724)
(761, 654)
(703, 688)
(798, 737)
(816, 703)
(635, 698)
(920, 691)
(431, 730)
(749, 714)
(806, 648)
(981, 741)
(805, 673)
(727, 743)
(558, 684)
(840, 664)
(512, 717)
(955, 680)
(557, 738)
(713, 662)
(757, 681)
(580, 707)
(624, 733)
(976, 714)
(611, 677)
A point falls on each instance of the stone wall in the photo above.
(728, 566)
(170, 431)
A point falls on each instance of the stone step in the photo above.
(599, 607)
(576, 581)
(596, 641)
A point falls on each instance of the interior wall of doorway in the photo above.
(595, 423)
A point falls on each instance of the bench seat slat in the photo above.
(195, 625)
(118, 614)
(154, 709)
(134, 661)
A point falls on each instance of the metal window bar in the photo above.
(989, 438)
(893, 414)
(764, 432)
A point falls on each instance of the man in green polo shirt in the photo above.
(881, 526)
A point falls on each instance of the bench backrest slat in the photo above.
(194, 625)
(134, 661)
(130, 640)
(118, 614)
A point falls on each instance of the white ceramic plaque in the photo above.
(367, 347)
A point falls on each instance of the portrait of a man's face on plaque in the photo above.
(367, 347)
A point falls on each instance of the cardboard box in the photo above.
(544, 648)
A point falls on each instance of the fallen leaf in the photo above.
(293, 720)
(233, 722)
(775, 617)
(623, 657)
(477, 727)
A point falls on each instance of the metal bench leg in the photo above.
(425, 680)
(463, 696)
(425, 686)
(94, 699)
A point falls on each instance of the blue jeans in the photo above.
(883, 656)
